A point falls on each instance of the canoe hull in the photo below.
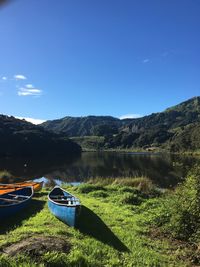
(12, 210)
(68, 215)
(7, 209)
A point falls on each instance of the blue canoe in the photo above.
(14, 201)
(64, 205)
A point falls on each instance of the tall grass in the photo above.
(142, 183)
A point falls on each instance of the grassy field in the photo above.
(112, 230)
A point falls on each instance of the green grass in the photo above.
(112, 231)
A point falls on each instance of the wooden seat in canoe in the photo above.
(9, 199)
(12, 195)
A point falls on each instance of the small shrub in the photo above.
(87, 188)
(184, 221)
(132, 199)
(99, 193)
(5, 176)
(128, 189)
(143, 184)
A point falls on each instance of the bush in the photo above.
(5, 176)
(87, 188)
(131, 198)
(184, 222)
(141, 183)
(99, 193)
(128, 189)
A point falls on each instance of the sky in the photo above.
(122, 58)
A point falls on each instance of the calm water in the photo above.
(164, 170)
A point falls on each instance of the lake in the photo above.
(163, 169)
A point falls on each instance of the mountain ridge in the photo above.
(22, 138)
(154, 130)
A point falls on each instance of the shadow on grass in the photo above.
(40, 194)
(16, 220)
(91, 224)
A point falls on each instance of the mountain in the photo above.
(162, 129)
(21, 138)
(84, 126)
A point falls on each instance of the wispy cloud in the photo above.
(19, 77)
(29, 86)
(32, 120)
(29, 92)
(146, 60)
(130, 116)
(4, 78)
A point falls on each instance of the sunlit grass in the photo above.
(142, 183)
(109, 231)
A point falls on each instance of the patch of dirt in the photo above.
(37, 246)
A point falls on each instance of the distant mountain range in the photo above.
(176, 128)
(85, 126)
(21, 138)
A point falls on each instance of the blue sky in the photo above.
(103, 57)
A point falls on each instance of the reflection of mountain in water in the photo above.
(33, 168)
(163, 170)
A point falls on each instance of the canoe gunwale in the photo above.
(20, 184)
(64, 204)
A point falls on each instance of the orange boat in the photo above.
(6, 188)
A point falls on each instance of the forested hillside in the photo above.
(84, 126)
(21, 138)
(167, 129)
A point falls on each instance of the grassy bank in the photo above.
(113, 230)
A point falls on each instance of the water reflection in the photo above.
(164, 170)
(32, 168)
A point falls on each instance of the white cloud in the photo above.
(29, 86)
(146, 60)
(4, 78)
(29, 92)
(19, 77)
(32, 120)
(130, 116)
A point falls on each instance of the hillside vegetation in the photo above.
(175, 129)
(21, 138)
(84, 126)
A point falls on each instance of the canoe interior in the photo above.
(62, 197)
(64, 206)
(13, 202)
(16, 196)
